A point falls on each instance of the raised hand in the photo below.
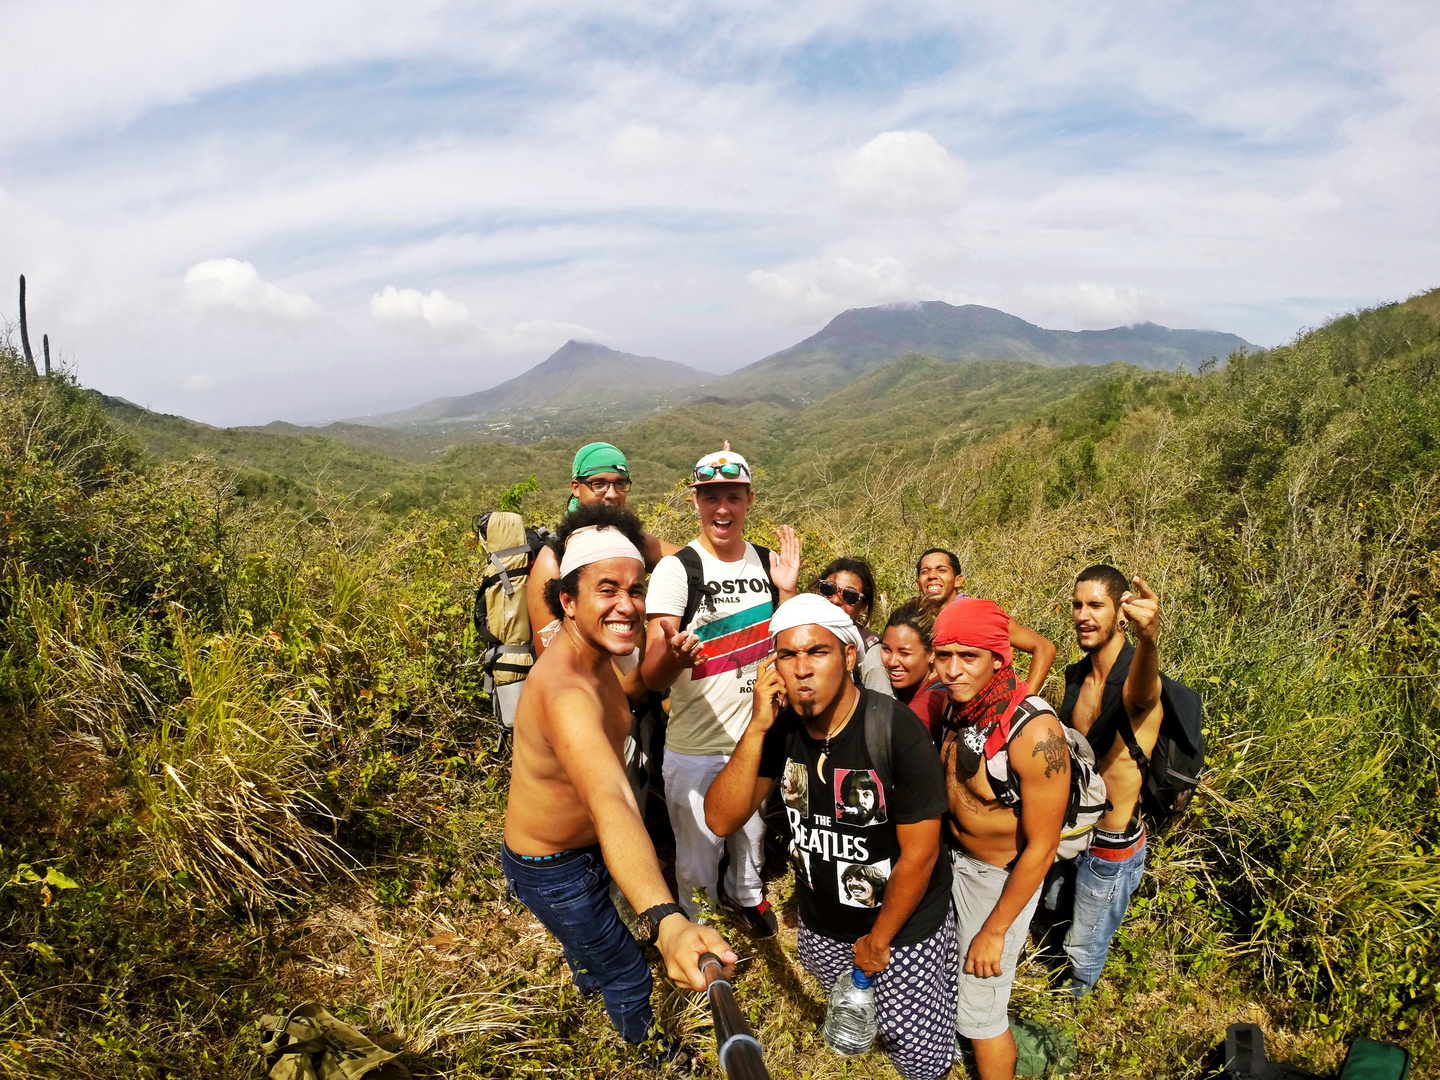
(684, 646)
(767, 696)
(785, 562)
(1141, 607)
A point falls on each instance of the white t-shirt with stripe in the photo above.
(710, 703)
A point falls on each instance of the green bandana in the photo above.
(596, 457)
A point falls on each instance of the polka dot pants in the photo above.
(914, 996)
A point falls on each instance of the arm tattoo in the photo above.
(1056, 751)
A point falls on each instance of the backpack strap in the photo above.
(879, 735)
(504, 576)
(697, 592)
(1127, 732)
(764, 554)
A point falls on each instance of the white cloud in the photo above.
(822, 287)
(197, 383)
(902, 172)
(698, 192)
(539, 337)
(1087, 306)
(642, 148)
(232, 285)
(394, 305)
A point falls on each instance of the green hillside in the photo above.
(247, 760)
(915, 408)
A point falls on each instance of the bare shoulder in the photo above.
(656, 549)
(1041, 747)
(545, 566)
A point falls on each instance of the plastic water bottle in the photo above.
(850, 1023)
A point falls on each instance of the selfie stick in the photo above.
(740, 1054)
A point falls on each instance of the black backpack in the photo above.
(1173, 769)
(700, 594)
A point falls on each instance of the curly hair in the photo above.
(601, 516)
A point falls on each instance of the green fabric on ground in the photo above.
(308, 1043)
(1042, 1050)
(1371, 1060)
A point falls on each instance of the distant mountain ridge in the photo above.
(583, 382)
(580, 374)
(860, 340)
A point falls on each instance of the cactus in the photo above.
(25, 331)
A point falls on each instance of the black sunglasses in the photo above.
(850, 596)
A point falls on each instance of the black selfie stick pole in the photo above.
(740, 1055)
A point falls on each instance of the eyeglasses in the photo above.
(598, 486)
(731, 470)
(850, 596)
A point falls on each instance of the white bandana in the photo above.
(809, 609)
(594, 543)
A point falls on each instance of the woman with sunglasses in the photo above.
(908, 650)
(599, 474)
(849, 584)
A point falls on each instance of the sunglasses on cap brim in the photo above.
(731, 470)
(850, 596)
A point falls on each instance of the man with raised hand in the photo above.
(709, 607)
(600, 474)
(1115, 689)
(938, 577)
(571, 820)
(864, 794)
(1007, 766)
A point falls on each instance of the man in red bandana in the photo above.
(1007, 769)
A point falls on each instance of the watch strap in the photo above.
(652, 917)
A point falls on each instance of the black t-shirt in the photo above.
(843, 842)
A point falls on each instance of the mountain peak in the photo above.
(579, 374)
(860, 340)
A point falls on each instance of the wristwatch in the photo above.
(651, 918)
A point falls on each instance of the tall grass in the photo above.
(256, 737)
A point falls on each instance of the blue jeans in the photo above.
(1103, 888)
(572, 900)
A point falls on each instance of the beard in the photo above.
(1115, 629)
(806, 708)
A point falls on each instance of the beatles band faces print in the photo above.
(858, 801)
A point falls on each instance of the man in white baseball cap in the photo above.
(709, 608)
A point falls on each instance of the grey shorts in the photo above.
(984, 1003)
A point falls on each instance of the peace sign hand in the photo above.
(1142, 607)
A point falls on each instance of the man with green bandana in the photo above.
(600, 474)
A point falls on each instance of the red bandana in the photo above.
(991, 708)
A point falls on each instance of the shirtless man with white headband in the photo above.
(572, 817)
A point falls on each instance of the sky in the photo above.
(308, 211)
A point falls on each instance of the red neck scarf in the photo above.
(992, 707)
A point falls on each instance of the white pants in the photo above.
(697, 849)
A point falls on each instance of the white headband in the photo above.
(593, 543)
(807, 609)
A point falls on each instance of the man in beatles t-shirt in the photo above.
(871, 882)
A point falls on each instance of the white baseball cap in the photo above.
(724, 467)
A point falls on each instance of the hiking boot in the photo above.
(758, 921)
